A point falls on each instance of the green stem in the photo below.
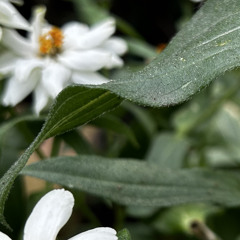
(24, 129)
(86, 210)
(54, 152)
(119, 216)
(202, 232)
(26, 132)
(56, 146)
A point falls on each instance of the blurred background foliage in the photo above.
(203, 132)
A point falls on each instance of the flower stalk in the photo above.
(202, 231)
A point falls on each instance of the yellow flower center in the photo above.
(51, 42)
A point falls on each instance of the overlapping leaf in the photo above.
(205, 48)
(75, 106)
(132, 182)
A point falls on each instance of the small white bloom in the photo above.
(51, 213)
(10, 17)
(52, 58)
(4, 236)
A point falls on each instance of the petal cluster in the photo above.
(10, 17)
(51, 58)
(51, 213)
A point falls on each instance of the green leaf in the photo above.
(227, 124)
(225, 135)
(75, 140)
(132, 182)
(140, 48)
(116, 125)
(205, 48)
(167, 150)
(201, 110)
(124, 235)
(92, 13)
(143, 117)
(12, 140)
(89, 11)
(74, 106)
(5, 127)
(126, 28)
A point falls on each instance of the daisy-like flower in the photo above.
(10, 17)
(51, 213)
(52, 58)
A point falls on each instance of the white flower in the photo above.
(10, 17)
(4, 236)
(51, 213)
(52, 58)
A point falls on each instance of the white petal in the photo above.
(116, 45)
(4, 236)
(54, 78)
(72, 32)
(49, 215)
(23, 68)
(102, 233)
(37, 25)
(7, 62)
(88, 78)
(41, 99)
(114, 62)
(10, 17)
(97, 35)
(17, 2)
(91, 60)
(14, 41)
(16, 91)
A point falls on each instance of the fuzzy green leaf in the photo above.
(132, 182)
(205, 48)
(74, 106)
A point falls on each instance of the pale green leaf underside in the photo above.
(205, 48)
(132, 182)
